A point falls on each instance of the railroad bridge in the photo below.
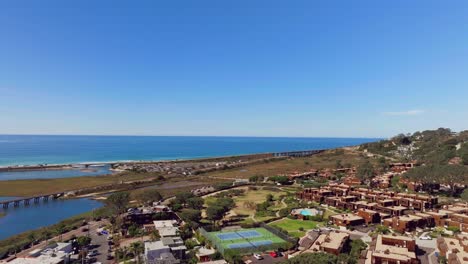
(26, 201)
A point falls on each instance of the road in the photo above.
(99, 243)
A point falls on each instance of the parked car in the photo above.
(273, 254)
(257, 256)
(425, 238)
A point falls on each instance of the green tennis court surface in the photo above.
(252, 238)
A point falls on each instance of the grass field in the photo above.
(31, 187)
(238, 239)
(292, 226)
(256, 196)
(327, 159)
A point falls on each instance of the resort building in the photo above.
(391, 249)
(369, 216)
(331, 243)
(346, 220)
(405, 223)
(454, 249)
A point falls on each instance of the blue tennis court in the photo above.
(261, 243)
(240, 245)
(228, 236)
(248, 233)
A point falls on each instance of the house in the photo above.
(165, 251)
(204, 254)
(52, 254)
(454, 249)
(346, 220)
(166, 228)
(391, 249)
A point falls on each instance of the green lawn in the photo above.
(292, 226)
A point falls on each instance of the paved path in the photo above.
(284, 206)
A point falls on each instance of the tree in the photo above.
(215, 213)
(148, 196)
(226, 202)
(464, 195)
(451, 175)
(195, 203)
(118, 202)
(183, 198)
(32, 238)
(154, 236)
(269, 197)
(191, 215)
(83, 241)
(365, 171)
(134, 230)
(381, 229)
(137, 248)
(59, 230)
(253, 178)
(280, 179)
(312, 258)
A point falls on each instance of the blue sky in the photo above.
(241, 68)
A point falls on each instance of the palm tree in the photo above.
(32, 238)
(137, 248)
(154, 236)
(59, 230)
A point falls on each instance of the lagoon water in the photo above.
(21, 219)
(49, 174)
(32, 150)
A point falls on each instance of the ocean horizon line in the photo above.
(193, 136)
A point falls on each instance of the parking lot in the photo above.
(266, 259)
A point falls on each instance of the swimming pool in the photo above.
(306, 212)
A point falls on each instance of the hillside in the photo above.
(441, 146)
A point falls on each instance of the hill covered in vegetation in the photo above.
(441, 154)
(441, 146)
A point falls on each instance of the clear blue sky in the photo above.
(245, 68)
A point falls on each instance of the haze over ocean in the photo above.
(31, 149)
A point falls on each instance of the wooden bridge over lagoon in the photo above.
(27, 200)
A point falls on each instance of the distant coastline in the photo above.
(26, 152)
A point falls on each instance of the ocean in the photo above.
(33, 149)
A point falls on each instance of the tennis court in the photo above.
(246, 240)
(238, 235)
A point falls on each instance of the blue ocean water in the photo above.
(31, 150)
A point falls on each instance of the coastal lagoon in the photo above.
(32, 150)
(21, 219)
(55, 173)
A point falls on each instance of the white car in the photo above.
(327, 229)
(425, 238)
(258, 256)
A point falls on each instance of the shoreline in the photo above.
(86, 164)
